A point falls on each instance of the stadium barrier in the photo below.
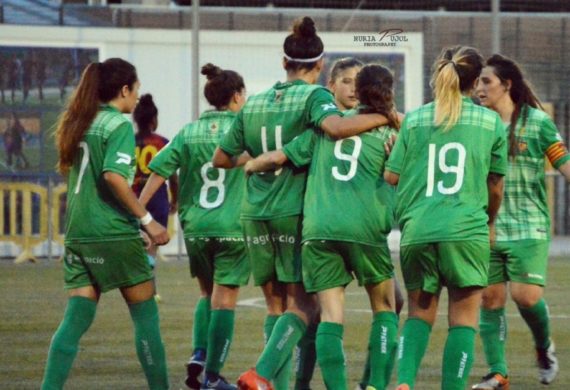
(17, 211)
(31, 214)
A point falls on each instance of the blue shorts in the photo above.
(158, 206)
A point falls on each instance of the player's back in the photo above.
(442, 191)
(210, 198)
(108, 145)
(347, 198)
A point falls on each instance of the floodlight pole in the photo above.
(195, 58)
(496, 25)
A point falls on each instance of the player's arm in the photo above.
(154, 182)
(391, 177)
(564, 169)
(337, 126)
(268, 161)
(495, 187)
(124, 194)
(173, 188)
(223, 159)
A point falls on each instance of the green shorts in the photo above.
(522, 261)
(274, 249)
(452, 263)
(329, 264)
(222, 260)
(106, 265)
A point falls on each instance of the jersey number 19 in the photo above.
(458, 170)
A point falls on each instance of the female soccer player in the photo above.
(520, 254)
(447, 151)
(96, 147)
(342, 81)
(209, 213)
(347, 217)
(273, 202)
(149, 144)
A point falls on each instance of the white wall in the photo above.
(163, 61)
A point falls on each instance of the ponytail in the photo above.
(447, 96)
(100, 83)
(74, 122)
(455, 73)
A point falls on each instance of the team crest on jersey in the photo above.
(214, 127)
(328, 106)
(523, 146)
(278, 96)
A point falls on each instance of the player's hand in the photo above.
(157, 233)
(389, 145)
(248, 167)
(146, 239)
(492, 234)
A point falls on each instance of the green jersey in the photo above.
(346, 198)
(210, 198)
(93, 212)
(442, 192)
(268, 121)
(524, 212)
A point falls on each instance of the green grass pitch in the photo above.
(33, 303)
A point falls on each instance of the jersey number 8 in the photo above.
(208, 183)
(458, 170)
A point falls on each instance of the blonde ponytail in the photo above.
(455, 73)
(447, 96)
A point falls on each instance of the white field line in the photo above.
(259, 303)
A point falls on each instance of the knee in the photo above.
(526, 300)
(493, 299)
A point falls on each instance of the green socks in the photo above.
(413, 345)
(458, 357)
(382, 347)
(536, 318)
(281, 379)
(78, 316)
(286, 333)
(201, 324)
(305, 358)
(493, 331)
(330, 355)
(220, 335)
(150, 349)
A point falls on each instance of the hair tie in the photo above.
(306, 60)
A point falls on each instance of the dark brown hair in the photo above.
(221, 85)
(374, 89)
(302, 43)
(100, 83)
(520, 92)
(144, 114)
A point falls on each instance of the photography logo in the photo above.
(385, 38)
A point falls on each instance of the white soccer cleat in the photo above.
(547, 364)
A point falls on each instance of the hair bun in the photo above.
(210, 71)
(305, 28)
(146, 99)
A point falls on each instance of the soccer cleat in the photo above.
(219, 384)
(403, 387)
(195, 369)
(547, 364)
(251, 380)
(359, 387)
(493, 381)
(369, 387)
